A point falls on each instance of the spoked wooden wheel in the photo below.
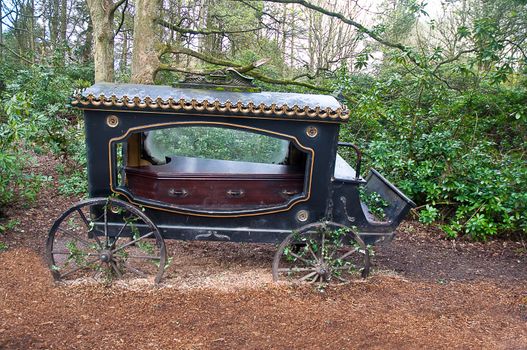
(321, 252)
(105, 238)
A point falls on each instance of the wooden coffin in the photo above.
(210, 184)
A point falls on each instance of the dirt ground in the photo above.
(424, 292)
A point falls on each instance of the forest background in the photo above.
(437, 92)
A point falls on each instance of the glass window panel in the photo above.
(215, 143)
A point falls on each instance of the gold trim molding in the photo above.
(172, 104)
(183, 211)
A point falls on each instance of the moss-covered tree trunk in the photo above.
(145, 61)
(102, 21)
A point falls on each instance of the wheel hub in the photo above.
(323, 269)
(105, 256)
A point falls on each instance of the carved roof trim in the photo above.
(86, 99)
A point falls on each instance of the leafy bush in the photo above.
(72, 173)
(34, 118)
(17, 125)
(460, 156)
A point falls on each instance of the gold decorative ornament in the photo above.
(112, 121)
(302, 215)
(311, 131)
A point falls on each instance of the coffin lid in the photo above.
(279, 105)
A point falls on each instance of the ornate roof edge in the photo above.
(171, 104)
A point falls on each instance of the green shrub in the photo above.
(72, 172)
(17, 125)
(460, 155)
(34, 118)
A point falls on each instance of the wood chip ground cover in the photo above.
(424, 293)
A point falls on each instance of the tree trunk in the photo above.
(283, 41)
(54, 24)
(145, 61)
(293, 28)
(310, 44)
(202, 23)
(102, 21)
(124, 53)
(86, 49)
(31, 29)
(1, 35)
(63, 22)
(178, 39)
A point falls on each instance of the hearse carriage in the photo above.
(214, 158)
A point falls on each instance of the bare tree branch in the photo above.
(182, 30)
(246, 3)
(361, 28)
(166, 67)
(246, 69)
(199, 55)
(122, 18)
(452, 59)
(116, 6)
(266, 79)
(346, 20)
(16, 54)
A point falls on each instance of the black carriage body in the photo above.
(116, 113)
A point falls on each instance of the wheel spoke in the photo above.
(61, 252)
(134, 270)
(333, 251)
(309, 275)
(343, 267)
(348, 253)
(79, 268)
(295, 269)
(73, 235)
(341, 279)
(312, 252)
(119, 233)
(314, 279)
(106, 225)
(145, 257)
(83, 218)
(133, 242)
(302, 259)
(322, 243)
(87, 223)
(67, 252)
(116, 269)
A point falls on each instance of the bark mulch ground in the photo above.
(424, 292)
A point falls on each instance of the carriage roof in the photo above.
(279, 105)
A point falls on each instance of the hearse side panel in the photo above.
(324, 144)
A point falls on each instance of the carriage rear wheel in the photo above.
(324, 252)
(106, 239)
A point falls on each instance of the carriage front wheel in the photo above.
(105, 239)
(321, 252)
